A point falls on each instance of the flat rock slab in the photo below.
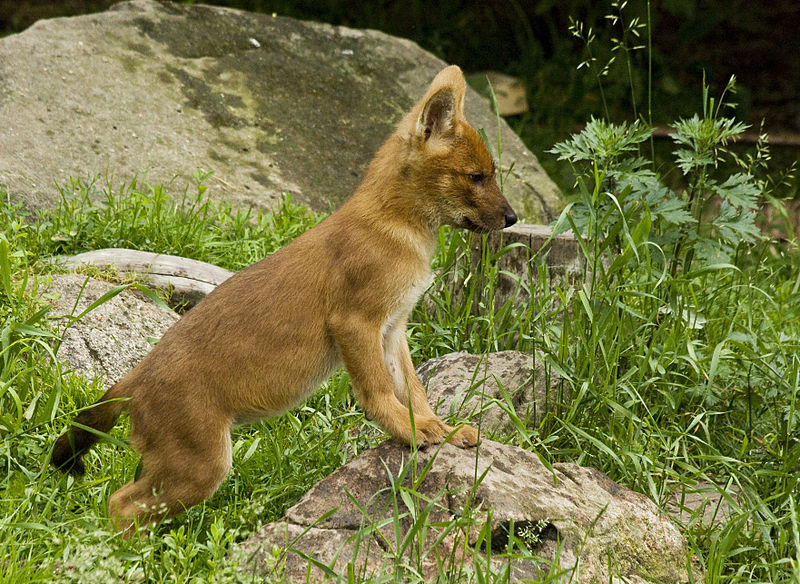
(526, 247)
(574, 519)
(188, 280)
(270, 104)
(111, 339)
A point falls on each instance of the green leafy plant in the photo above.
(623, 202)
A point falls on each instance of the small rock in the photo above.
(484, 389)
(111, 339)
(703, 503)
(188, 280)
(509, 91)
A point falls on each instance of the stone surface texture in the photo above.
(112, 338)
(571, 518)
(485, 390)
(188, 280)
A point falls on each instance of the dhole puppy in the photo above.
(266, 338)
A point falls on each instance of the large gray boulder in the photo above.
(387, 511)
(270, 104)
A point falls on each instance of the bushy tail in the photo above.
(70, 447)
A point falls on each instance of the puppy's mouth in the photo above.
(468, 223)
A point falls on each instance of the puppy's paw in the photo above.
(430, 431)
(464, 437)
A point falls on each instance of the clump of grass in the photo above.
(94, 215)
(682, 365)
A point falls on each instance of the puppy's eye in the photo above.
(476, 177)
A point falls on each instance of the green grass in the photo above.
(672, 381)
(54, 528)
(94, 214)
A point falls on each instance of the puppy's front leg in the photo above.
(360, 344)
(407, 386)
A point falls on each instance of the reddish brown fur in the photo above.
(340, 293)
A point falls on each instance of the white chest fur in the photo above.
(394, 330)
(408, 300)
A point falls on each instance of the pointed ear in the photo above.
(442, 106)
(438, 114)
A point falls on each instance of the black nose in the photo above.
(511, 218)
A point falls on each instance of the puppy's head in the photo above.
(448, 163)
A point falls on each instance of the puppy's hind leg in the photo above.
(171, 481)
